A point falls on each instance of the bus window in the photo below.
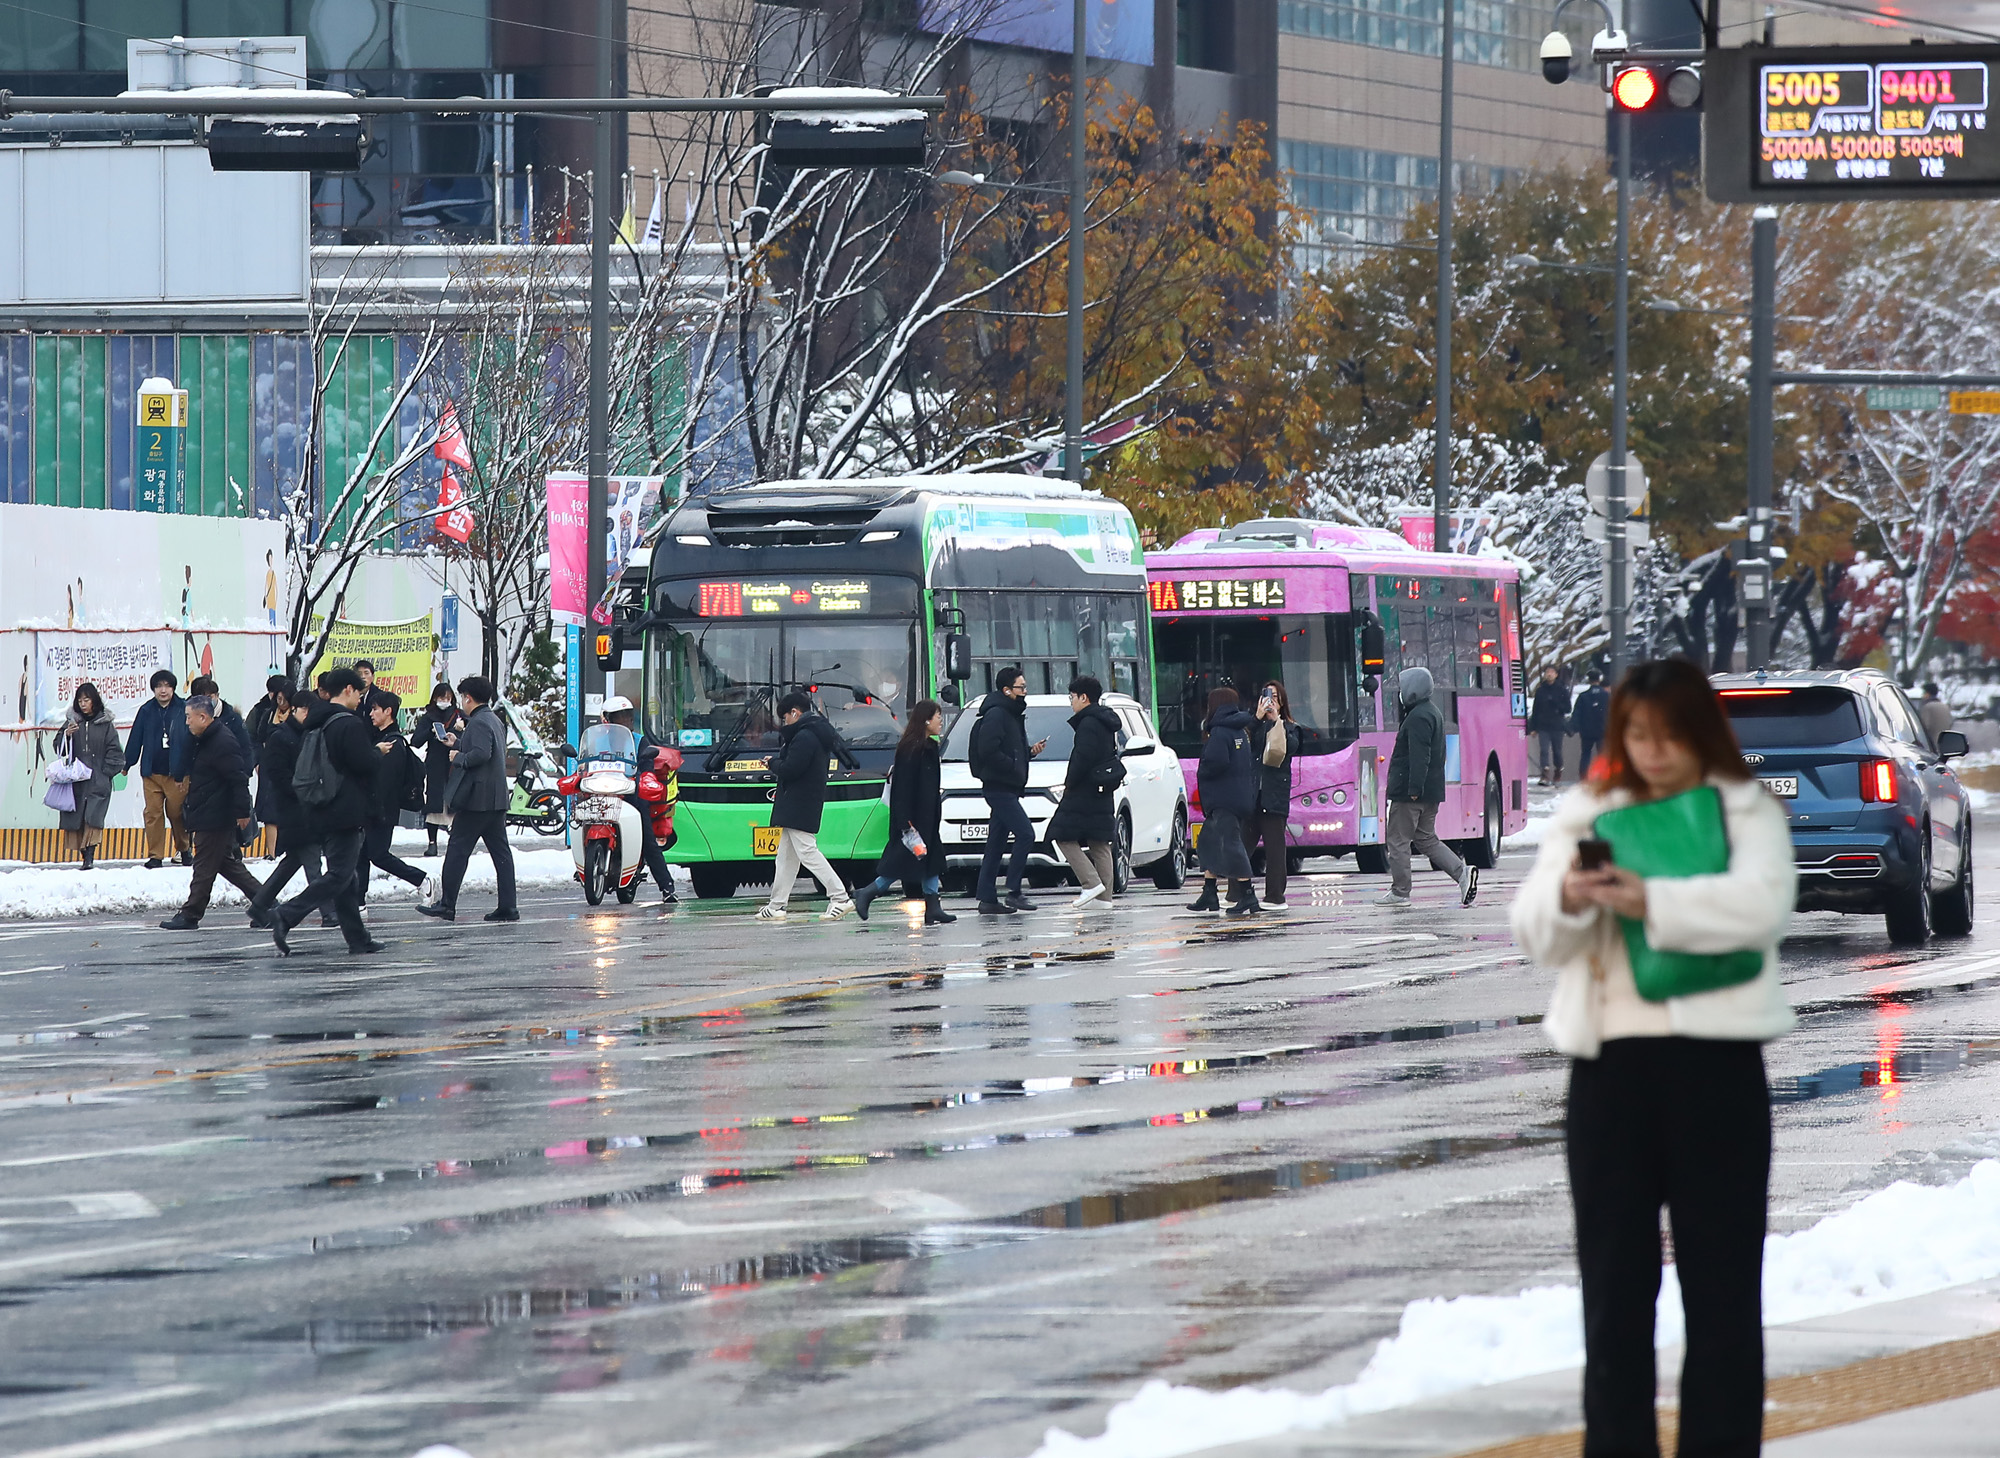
(1486, 620)
(1465, 636)
(1310, 654)
(1054, 636)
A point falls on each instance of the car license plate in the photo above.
(1785, 787)
(763, 840)
(974, 830)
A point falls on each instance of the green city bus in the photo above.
(868, 595)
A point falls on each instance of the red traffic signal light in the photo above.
(1635, 89)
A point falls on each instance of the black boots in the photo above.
(864, 896)
(1207, 900)
(1242, 899)
(934, 912)
(89, 856)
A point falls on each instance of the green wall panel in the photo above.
(91, 488)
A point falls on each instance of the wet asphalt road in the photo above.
(624, 1182)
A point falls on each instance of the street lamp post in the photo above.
(603, 167)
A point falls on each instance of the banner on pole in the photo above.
(121, 665)
(569, 544)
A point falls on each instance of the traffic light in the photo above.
(1643, 88)
(286, 144)
(610, 648)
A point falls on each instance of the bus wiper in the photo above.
(761, 696)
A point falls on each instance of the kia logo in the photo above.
(1753, 759)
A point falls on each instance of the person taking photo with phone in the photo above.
(1274, 744)
(1658, 898)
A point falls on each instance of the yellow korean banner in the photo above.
(401, 653)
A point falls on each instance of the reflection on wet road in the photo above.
(618, 1181)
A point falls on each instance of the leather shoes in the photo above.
(177, 922)
(498, 915)
(995, 908)
(371, 945)
(153, 863)
(1020, 902)
(442, 913)
(278, 930)
(260, 918)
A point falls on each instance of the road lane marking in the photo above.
(179, 1146)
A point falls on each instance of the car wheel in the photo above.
(1951, 913)
(712, 882)
(1170, 870)
(1485, 851)
(596, 860)
(1121, 858)
(1908, 913)
(1371, 860)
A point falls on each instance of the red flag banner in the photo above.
(454, 519)
(450, 445)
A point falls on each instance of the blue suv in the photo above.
(1880, 823)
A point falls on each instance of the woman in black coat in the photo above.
(278, 805)
(428, 737)
(916, 806)
(1226, 780)
(1085, 825)
(1274, 744)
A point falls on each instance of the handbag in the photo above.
(1682, 835)
(60, 795)
(69, 770)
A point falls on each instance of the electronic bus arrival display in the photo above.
(806, 595)
(1840, 123)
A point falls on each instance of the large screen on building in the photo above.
(1852, 122)
(1115, 30)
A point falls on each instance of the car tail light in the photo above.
(1878, 781)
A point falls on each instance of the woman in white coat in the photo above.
(1667, 1100)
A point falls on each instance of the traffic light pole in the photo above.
(1441, 470)
(1615, 502)
(1755, 569)
(603, 169)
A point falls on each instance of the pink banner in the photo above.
(569, 570)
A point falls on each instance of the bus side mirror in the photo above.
(957, 656)
(610, 646)
(1373, 646)
(951, 696)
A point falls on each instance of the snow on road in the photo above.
(1900, 1242)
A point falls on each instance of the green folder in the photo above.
(1682, 835)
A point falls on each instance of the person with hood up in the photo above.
(90, 737)
(1658, 899)
(338, 819)
(1226, 783)
(1085, 825)
(998, 754)
(807, 750)
(217, 807)
(916, 808)
(1413, 791)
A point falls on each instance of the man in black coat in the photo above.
(998, 755)
(339, 817)
(399, 786)
(278, 806)
(1085, 826)
(216, 807)
(228, 717)
(1413, 790)
(1548, 721)
(808, 748)
(1587, 719)
(477, 794)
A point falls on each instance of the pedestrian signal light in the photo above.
(1635, 89)
(610, 648)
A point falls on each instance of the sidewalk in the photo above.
(1914, 1376)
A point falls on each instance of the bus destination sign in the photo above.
(1834, 123)
(1183, 594)
(808, 599)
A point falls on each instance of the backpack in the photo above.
(315, 779)
(413, 780)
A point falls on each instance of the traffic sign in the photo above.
(1597, 484)
(1905, 397)
(1975, 402)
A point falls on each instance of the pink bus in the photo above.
(1300, 602)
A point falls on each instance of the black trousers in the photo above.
(1684, 1123)
(469, 828)
(654, 858)
(1271, 830)
(1006, 822)
(334, 886)
(375, 851)
(216, 853)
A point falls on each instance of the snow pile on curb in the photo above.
(55, 891)
(1900, 1242)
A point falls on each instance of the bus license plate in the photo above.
(1785, 787)
(1194, 835)
(763, 840)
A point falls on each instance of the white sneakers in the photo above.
(1089, 896)
(429, 892)
(770, 911)
(1390, 898)
(835, 910)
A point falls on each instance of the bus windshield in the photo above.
(1312, 655)
(731, 675)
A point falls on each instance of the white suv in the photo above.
(1152, 803)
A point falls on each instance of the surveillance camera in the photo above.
(1555, 58)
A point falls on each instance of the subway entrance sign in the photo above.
(159, 446)
(1850, 123)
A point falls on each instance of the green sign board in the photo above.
(160, 447)
(1905, 397)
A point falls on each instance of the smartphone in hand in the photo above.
(1593, 854)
